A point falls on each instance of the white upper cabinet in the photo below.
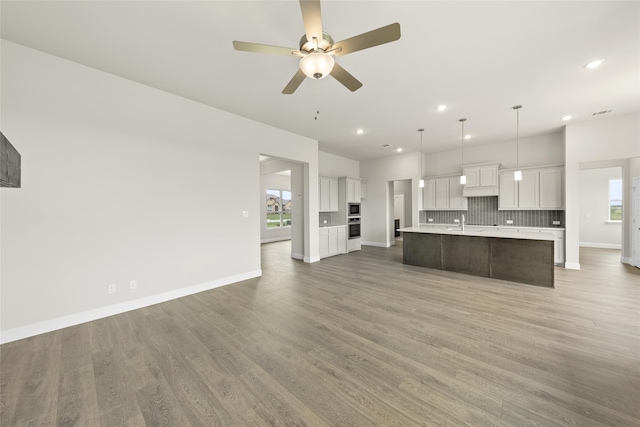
(539, 189)
(529, 190)
(328, 194)
(482, 180)
(353, 190)
(456, 200)
(429, 194)
(443, 193)
(551, 188)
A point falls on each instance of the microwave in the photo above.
(354, 209)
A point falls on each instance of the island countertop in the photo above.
(480, 232)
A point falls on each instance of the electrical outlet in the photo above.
(245, 214)
(430, 220)
(556, 222)
(509, 221)
(111, 289)
(133, 284)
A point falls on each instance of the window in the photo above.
(615, 200)
(278, 208)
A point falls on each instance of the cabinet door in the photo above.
(456, 201)
(473, 177)
(442, 193)
(358, 191)
(323, 194)
(353, 190)
(342, 240)
(333, 194)
(324, 243)
(528, 190)
(508, 196)
(488, 176)
(551, 194)
(333, 241)
(429, 194)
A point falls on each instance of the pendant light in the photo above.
(517, 175)
(421, 182)
(463, 177)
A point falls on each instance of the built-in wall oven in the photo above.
(354, 228)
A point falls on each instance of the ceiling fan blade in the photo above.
(312, 19)
(343, 76)
(382, 35)
(294, 83)
(265, 48)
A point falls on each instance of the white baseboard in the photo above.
(626, 260)
(600, 245)
(111, 310)
(297, 256)
(311, 259)
(376, 244)
(275, 239)
(572, 265)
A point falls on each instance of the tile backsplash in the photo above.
(484, 211)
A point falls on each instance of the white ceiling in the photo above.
(479, 58)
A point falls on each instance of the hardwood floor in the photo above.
(354, 340)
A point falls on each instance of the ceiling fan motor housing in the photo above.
(308, 46)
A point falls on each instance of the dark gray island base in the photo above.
(520, 260)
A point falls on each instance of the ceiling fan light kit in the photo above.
(317, 49)
(317, 65)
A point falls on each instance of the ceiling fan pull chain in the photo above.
(317, 99)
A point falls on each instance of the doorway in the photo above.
(283, 206)
(401, 212)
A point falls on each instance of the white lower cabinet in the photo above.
(333, 241)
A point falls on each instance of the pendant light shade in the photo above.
(463, 177)
(517, 175)
(421, 182)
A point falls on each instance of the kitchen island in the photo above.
(507, 255)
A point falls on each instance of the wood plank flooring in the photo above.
(354, 340)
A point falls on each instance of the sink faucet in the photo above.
(462, 223)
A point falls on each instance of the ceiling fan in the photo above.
(317, 49)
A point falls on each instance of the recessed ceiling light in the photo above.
(360, 131)
(467, 137)
(566, 118)
(594, 64)
(441, 107)
(399, 150)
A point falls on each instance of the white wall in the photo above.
(534, 151)
(336, 166)
(119, 182)
(595, 228)
(377, 208)
(612, 141)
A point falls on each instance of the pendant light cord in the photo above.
(462, 146)
(517, 108)
(421, 172)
